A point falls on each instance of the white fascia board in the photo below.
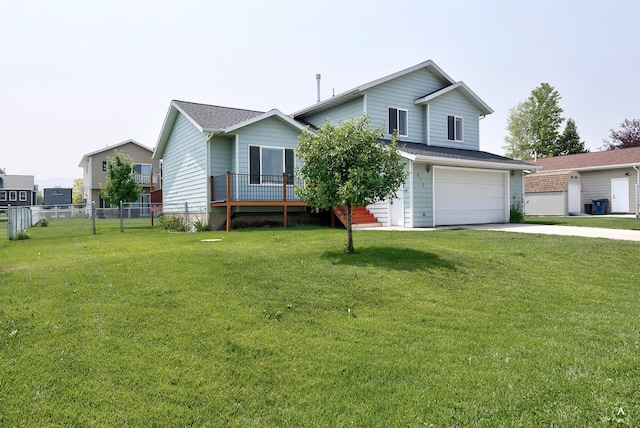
(271, 113)
(600, 168)
(437, 160)
(476, 100)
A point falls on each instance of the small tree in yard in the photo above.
(628, 136)
(349, 165)
(121, 184)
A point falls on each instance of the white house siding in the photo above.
(597, 185)
(185, 168)
(422, 196)
(271, 132)
(401, 93)
(380, 211)
(454, 104)
(354, 108)
(547, 203)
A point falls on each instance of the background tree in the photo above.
(569, 141)
(627, 136)
(348, 165)
(76, 191)
(121, 184)
(533, 124)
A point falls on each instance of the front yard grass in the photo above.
(588, 221)
(279, 327)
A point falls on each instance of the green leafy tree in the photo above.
(533, 124)
(121, 184)
(348, 165)
(569, 141)
(76, 191)
(628, 136)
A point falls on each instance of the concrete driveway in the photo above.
(587, 232)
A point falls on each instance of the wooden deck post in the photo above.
(228, 201)
(284, 199)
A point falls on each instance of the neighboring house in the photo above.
(94, 167)
(450, 181)
(17, 190)
(613, 175)
(553, 193)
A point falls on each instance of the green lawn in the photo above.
(278, 327)
(589, 221)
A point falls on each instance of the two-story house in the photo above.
(94, 172)
(17, 190)
(235, 161)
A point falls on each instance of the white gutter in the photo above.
(443, 161)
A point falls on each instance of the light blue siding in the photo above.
(270, 132)
(454, 104)
(401, 93)
(185, 168)
(354, 108)
(221, 155)
(516, 192)
(422, 195)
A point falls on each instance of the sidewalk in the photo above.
(587, 232)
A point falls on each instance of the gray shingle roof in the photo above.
(445, 152)
(215, 117)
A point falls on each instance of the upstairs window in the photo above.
(23, 196)
(454, 128)
(267, 164)
(13, 195)
(398, 119)
(3, 195)
(104, 165)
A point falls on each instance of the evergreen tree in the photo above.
(569, 141)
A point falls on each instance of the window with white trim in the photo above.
(23, 196)
(13, 195)
(267, 164)
(3, 195)
(455, 128)
(399, 119)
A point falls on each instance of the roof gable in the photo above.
(464, 90)
(86, 157)
(358, 91)
(594, 160)
(210, 117)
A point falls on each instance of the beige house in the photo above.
(94, 172)
(613, 175)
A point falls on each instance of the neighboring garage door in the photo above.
(468, 196)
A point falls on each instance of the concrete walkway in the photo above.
(587, 232)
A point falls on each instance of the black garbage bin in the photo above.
(588, 208)
(600, 206)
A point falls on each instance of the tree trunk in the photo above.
(349, 248)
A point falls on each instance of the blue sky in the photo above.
(76, 76)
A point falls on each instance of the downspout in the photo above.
(208, 193)
(637, 190)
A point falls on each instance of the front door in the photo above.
(619, 195)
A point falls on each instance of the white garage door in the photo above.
(467, 196)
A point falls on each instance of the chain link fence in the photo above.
(86, 216)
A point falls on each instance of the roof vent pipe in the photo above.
(318, 79)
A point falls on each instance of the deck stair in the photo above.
(360, 217)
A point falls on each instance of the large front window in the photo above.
(267, 164)
(142, 173)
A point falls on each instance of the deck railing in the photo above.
(251, 187)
